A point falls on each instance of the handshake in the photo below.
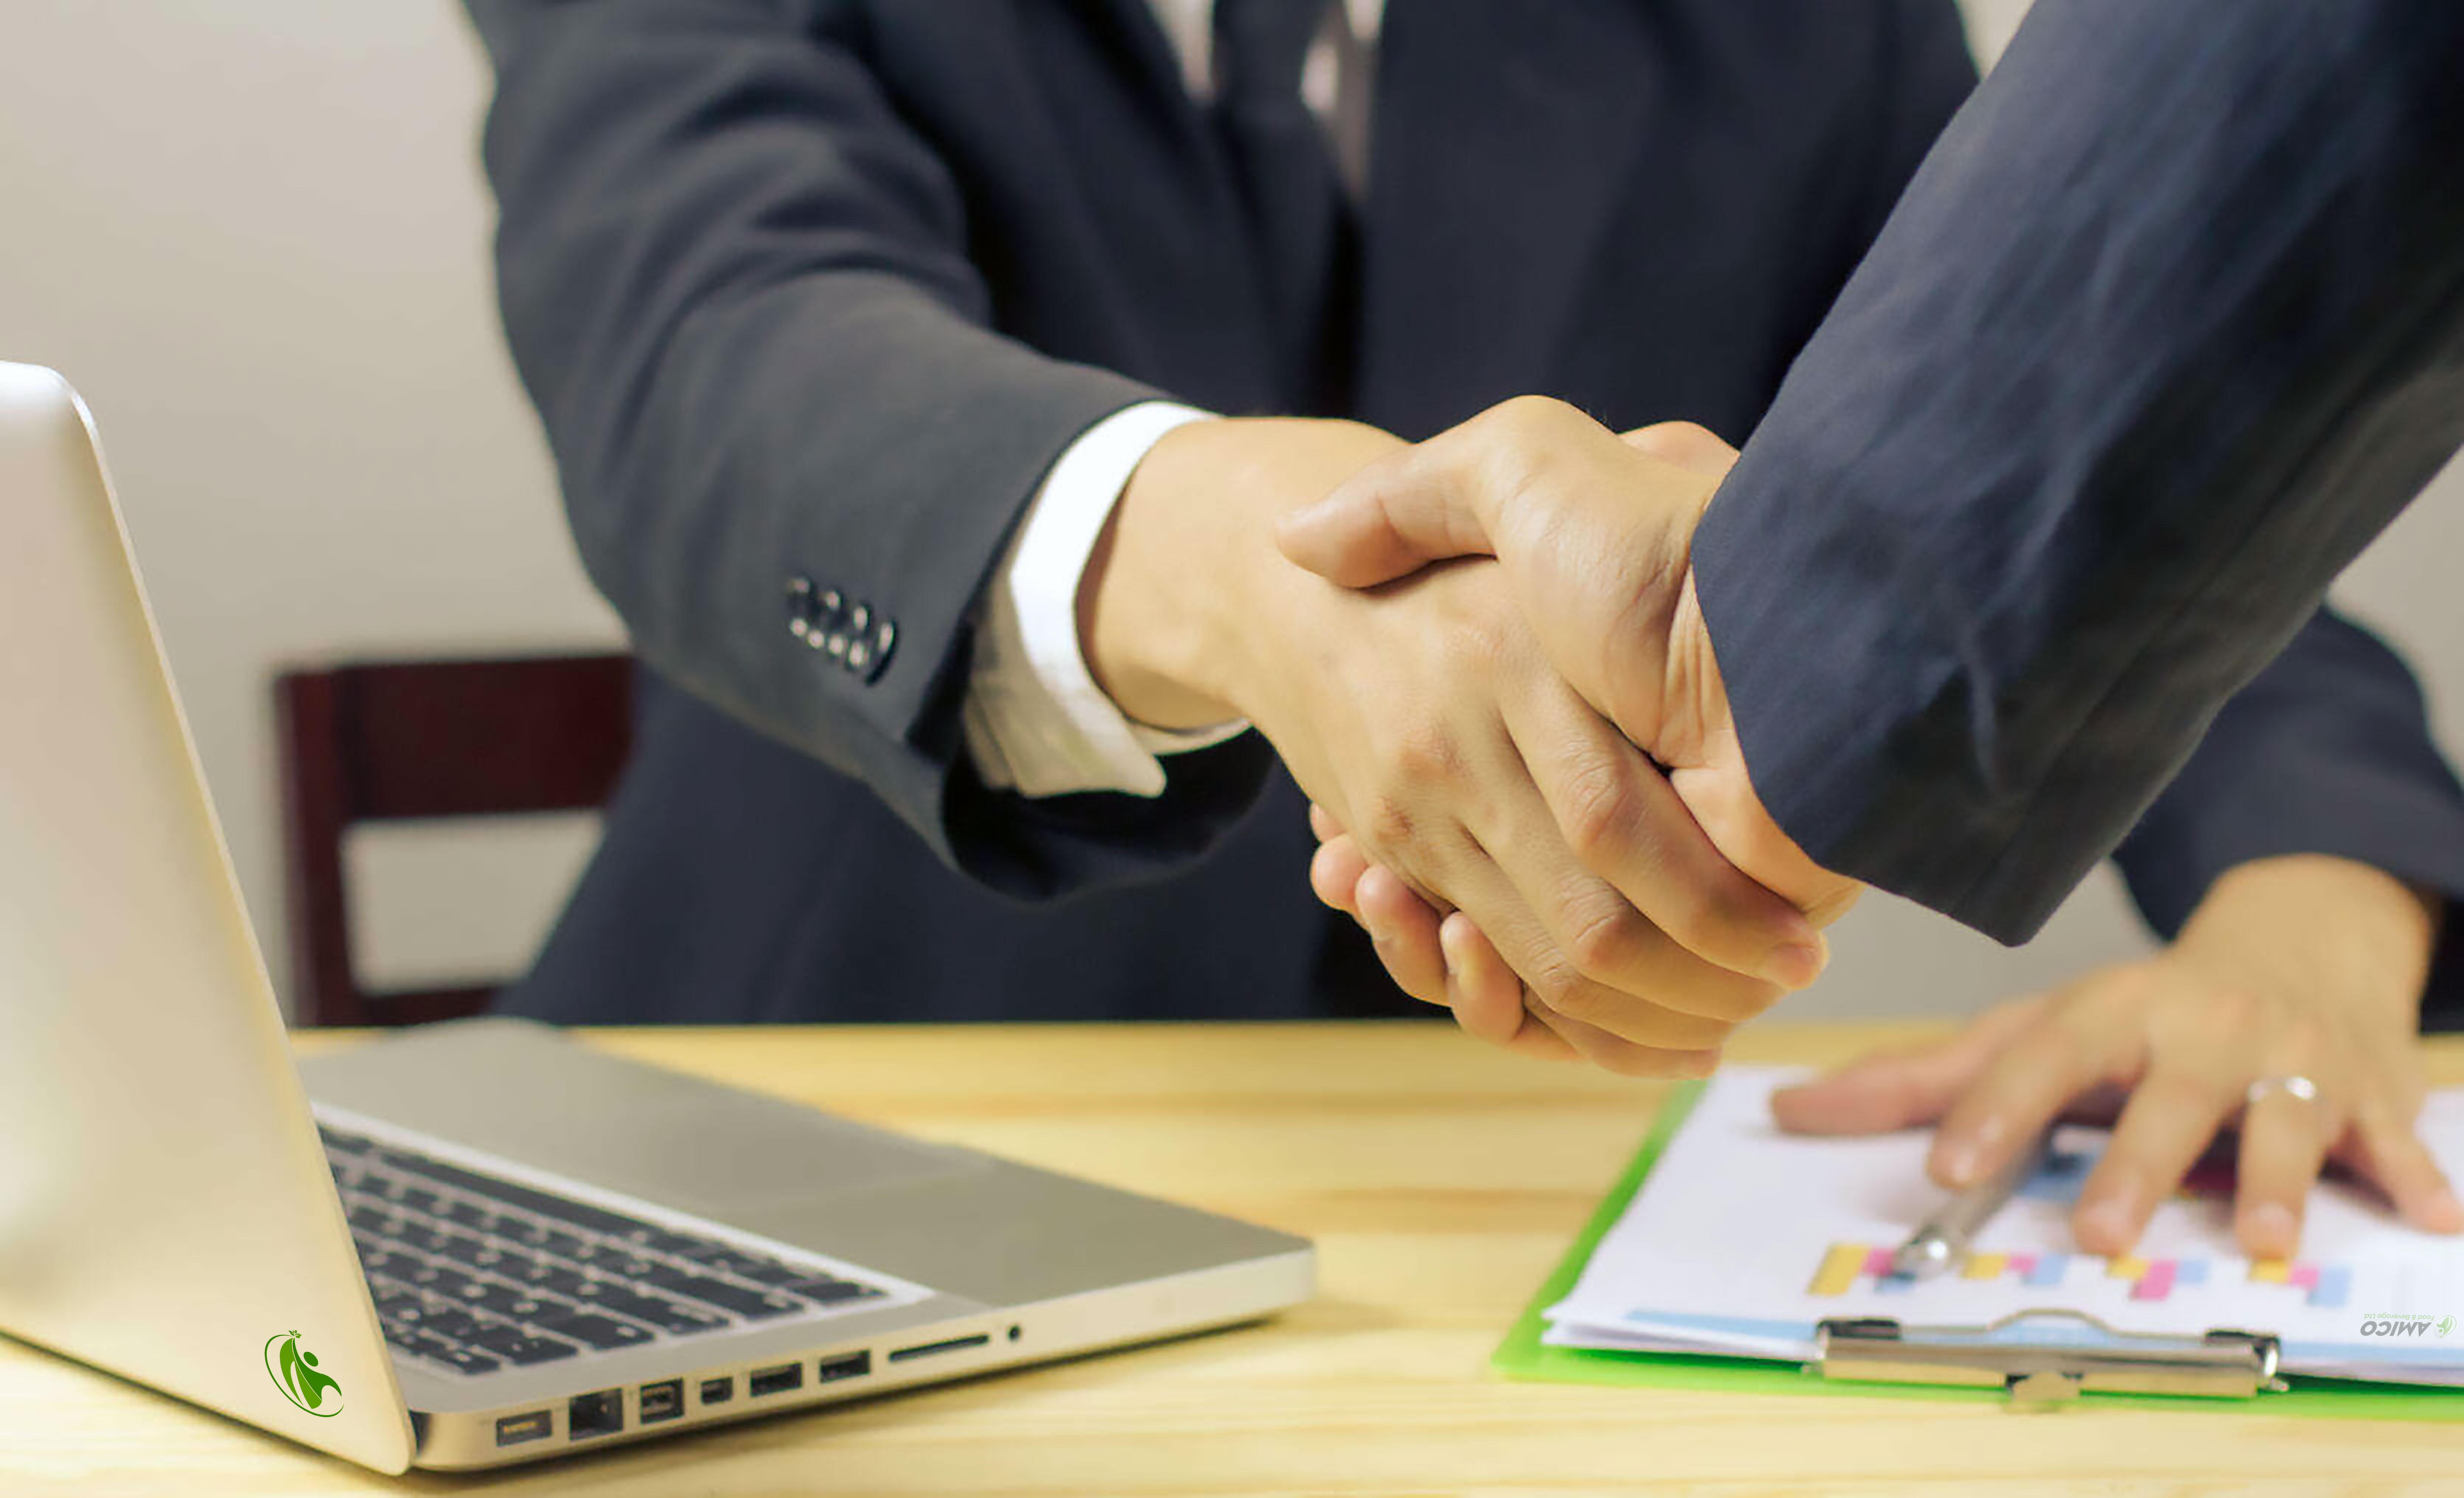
(1482, 658)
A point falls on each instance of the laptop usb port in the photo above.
(954, 1344)
(774, 1380)
(662, 1401)
(854, 1365)
(514, 1429)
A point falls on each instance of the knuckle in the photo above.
(1422, 754)
(1387, 823)
(1599, 807)
(1600, 938)
(1554, 981)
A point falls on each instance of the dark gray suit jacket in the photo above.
(2168, 325)
(820, 288)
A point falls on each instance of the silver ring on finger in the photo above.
(2291, 1084)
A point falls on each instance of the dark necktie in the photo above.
(1290, 189)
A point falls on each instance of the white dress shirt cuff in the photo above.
(1036, 721)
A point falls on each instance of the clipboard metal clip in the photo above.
(2043, 1359)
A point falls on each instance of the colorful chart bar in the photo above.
(1839, 1270)
(2047, 1270)
(2334, 1284)
(2157, 1283)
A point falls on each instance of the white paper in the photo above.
(1719, 1251)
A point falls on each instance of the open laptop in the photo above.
(478, 1243)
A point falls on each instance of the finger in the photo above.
(1392, 519)
(1683, 444)
(1323, 825)
(1901, 1088)
(2174, 1114)
(1618, 815)
(1435, 499)
(1487, 998)
(1621, 1057)
(1588, 930)
(2283, 1145)
(2383, 1147)
(1334, 874)
(2072, 1048)
(1588, 952)
(1404, 931)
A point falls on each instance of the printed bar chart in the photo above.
(1848, 1267)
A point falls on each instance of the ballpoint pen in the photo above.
(1941, 1242)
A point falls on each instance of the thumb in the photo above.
(1387, 521)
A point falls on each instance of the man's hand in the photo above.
(1593, 531)
(1427, 717)
(2308, 967)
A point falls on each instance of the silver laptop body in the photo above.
(562, 1249)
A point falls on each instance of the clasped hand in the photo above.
(1523, 765)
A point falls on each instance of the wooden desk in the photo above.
(1440, 1181)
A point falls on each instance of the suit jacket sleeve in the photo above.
(2327, 751)
(2168, 325)
(736, 286)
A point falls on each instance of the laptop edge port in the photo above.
(774, 1380)
(853, 1365)
(662, 1401)
(717, 1391)
(514, 1429)
(599, 1413)
(930, 1349)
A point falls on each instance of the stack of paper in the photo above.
(1743, 1238)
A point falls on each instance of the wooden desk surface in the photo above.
(1440, 1181)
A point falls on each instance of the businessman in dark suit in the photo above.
(2169, 322)
(848, 322)
(872, 338)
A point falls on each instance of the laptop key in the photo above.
(752, 1266)
(600, 1332)
(514, 1229)
(505, 1300)
(469, 1360)
(666, 1314)
(563, 1244)
(446, 1321)
(513, 1265)
(465, 1250)
(827, 1292)
(419, 1235)
(563, 1281)
(753, 1305)
(347, 1143)
(658, 1240)
(522, 1347)
(614, 1259)
(376, 1221)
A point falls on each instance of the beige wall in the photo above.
(253, 233)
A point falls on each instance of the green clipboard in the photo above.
(1523, 1355)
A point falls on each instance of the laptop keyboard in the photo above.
(476, 1274)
